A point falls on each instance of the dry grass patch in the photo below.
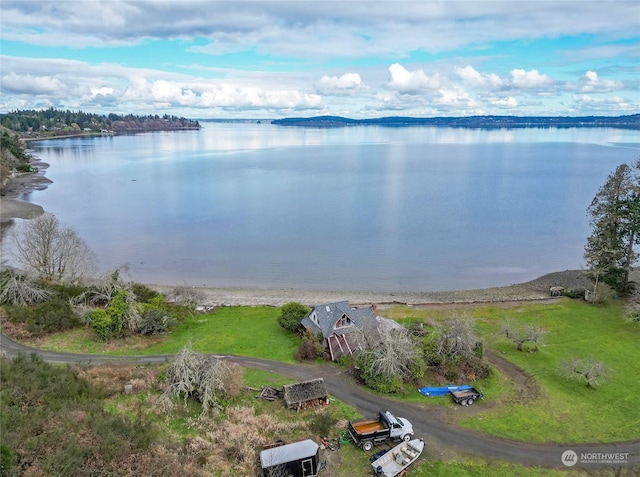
(112, 378)
(235, 443)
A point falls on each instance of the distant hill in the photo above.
(483, 122)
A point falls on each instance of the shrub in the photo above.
(68, 291)
(143, 293)
(291, 315)
(53, 423)
(154, 321)
(48, 317)
(54, 315)
(321, 423)
(306, 351)
(102, 324)
(109, 323)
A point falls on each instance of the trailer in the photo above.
(298, 459)
(369, 432)
(466, 397)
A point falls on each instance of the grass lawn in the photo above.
(564, 411)
(244, 331)
(569, 411)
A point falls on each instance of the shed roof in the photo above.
(304, 391)
(288, 453)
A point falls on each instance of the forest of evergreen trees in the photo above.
(56, 121)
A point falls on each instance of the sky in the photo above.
(355, 58)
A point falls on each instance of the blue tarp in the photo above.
(431, 391)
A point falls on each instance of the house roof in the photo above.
(329, 313)
(304, 391)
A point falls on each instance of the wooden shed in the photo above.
(305, 394)
(299, 459)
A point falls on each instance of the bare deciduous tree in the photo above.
(204, 377)
(457, 338)
(390, 351)
(52, 251)
(521, 335)
(592, 372)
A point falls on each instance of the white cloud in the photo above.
(30, 84)
(507, 102)
(587, 103)
(529, 80)
(347, 84)
(471, 77)
(212, 95)
(590, 83)
(411, 82)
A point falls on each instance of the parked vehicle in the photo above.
(368, 432)
(299, 459)
(466, 397)
(399, 458)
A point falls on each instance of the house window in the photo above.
(343, 321)
(314, 317)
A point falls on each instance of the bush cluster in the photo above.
(51, 316)
(53, 423)
(291, 315)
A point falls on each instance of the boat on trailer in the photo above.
(398, 459)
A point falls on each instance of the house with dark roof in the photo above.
(336, 321)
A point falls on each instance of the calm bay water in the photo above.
(362, 208)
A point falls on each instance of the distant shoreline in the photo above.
(471, 122)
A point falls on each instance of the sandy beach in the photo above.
(11, 206)
(534, 290)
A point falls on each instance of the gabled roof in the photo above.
(327, 316)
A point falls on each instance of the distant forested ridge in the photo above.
(484, 122)
(55, 122)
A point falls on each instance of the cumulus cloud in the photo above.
(411, 82)
(345, 85)
(533, 80)
(590, 83)
(473, 78)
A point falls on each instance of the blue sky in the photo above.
(356, 58)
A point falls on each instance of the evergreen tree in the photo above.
(615, 224)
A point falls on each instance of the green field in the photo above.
(564, 410)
